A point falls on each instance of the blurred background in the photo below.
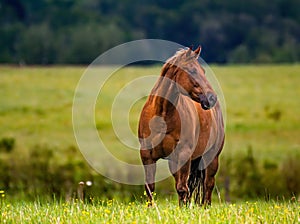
(76, 31)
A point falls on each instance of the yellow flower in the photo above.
(2, 191)
(251, 210)
(109, 202)
(85, 213)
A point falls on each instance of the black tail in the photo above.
(196, 180)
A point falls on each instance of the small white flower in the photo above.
(89, 183)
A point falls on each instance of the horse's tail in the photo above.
(196, 180)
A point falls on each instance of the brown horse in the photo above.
(182, 121)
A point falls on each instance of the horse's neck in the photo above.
(165, 97)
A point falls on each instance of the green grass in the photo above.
(254, 95)
(164, 211)
(36, 103)
(262, 107)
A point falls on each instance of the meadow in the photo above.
(262, 106)
(166, 211)
(38, 149)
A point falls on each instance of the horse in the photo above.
(181, 121)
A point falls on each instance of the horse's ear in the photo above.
(198, 51)
(189, 51)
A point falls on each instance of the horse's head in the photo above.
(190, 77)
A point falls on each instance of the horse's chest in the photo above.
(176, 133)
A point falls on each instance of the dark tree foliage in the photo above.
(76, 31)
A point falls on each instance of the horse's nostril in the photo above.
(212, 99)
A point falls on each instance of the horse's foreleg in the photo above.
(181, 173)
(182, 184)
(209, 181)
(150, 169)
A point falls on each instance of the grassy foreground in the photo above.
(113, 211)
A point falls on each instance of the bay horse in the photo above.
(182, 122)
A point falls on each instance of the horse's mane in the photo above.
(182, 59)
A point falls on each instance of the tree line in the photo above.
(77, 31)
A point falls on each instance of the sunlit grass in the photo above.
(165, 211)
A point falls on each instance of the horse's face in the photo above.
(192, 81)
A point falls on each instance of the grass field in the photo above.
(165, 211)
(262, 106)
(263, 110)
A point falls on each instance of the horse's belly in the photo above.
(199, 149)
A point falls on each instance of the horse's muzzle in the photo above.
(207, 101)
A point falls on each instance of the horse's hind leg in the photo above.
(196, 181)
(150, 169)
(209, 181)
(200, 188)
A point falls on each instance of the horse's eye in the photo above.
(193, 72)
